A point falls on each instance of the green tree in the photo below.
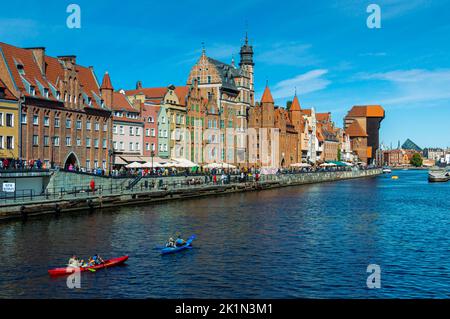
(416, 160)
(288, 105)
(339, 156)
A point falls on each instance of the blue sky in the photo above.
(323, 48)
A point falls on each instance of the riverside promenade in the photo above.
(109, 192)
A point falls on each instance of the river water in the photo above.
(312, 241)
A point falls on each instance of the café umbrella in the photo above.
(134, 165)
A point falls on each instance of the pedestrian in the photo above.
(92, 186)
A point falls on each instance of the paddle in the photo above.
(92, 270)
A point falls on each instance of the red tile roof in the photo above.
(267, 96)
(106, 84)
(366, 111)
(182, 92)
(150, 93)
(295, 106)
(121, 103)
(326, 117)
(32, 74)
(8, 94)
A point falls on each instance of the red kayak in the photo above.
(68, 270)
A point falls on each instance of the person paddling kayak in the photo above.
(74, 262)
(180, 242)
(98, 260)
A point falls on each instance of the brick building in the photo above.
(233, 89)
(62, 107)
(362, 123)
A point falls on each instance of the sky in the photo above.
(322, 49)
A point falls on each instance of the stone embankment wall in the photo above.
(88, 202)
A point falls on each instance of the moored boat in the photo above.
(64, 271)
(438, 175)
(387, 170)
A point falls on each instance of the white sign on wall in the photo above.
(9, 187)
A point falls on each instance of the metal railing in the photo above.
(145, 184)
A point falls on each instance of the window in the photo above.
(153, 147)
(163, 120)
(9, 120)
(78, 124)
(105, 127)
(32, 90)
(104, 143)
(131, 146)
(147, 132)
(153, 132)
(121, 130)
(88, 125)
(151, 119)
(46, 92)
(10, 142)
(68, 123)
(147, 146)
(115, 145)
(23, 119)
(46, 140)
(138, 131)
(35, 120)
(68, 141)
(104, 164)
(88, 142)
(95, 164)
(1, 142)
(165, 147)
(96, 143)
(56, 121)
(88, 164)
(97, 126)
(138, 146)
(46, 121)
(1, 119)
(209, 79)
(115, 129)
(122, 146)
(131, 131)
(78, 141)
(35, 140)
(56, 140)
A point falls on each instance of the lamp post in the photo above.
(152, 154)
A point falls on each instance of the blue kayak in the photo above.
(173, 250)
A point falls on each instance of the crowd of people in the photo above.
(19, 164)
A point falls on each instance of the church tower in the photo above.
(247, 66)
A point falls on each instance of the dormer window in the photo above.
(102, 103)
(45, 93)
(20, 69)
(32, 90)
(58, 95)
(89, 101)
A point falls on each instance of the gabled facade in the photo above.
(61, 108)
(233, 89)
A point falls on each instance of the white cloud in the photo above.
(414, 86)
(304, 83)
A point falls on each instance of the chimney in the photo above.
(39, 55)
(69, 60)
(139, 85)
